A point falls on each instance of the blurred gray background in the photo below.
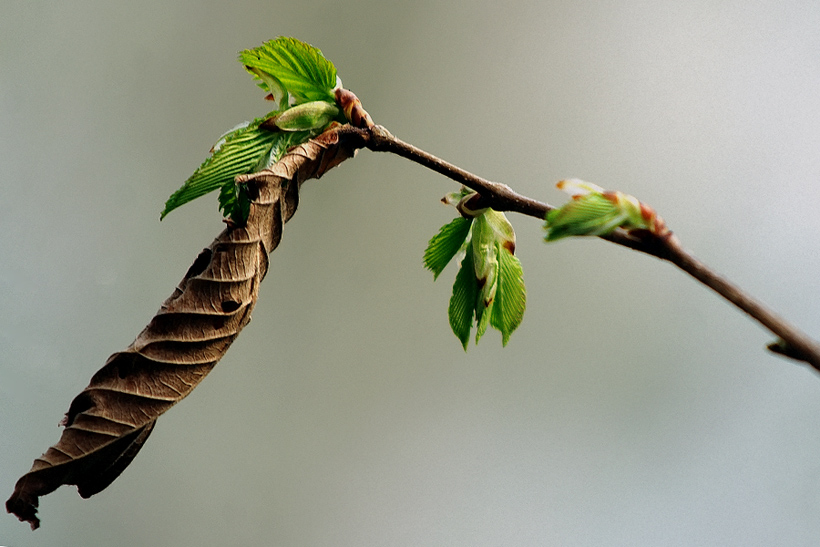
(633, 406)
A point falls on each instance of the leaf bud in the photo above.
(306, 116)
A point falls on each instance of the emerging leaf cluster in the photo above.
(489, 287)
(593, 211)
(301, 81)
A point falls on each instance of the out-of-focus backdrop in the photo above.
(633, 406)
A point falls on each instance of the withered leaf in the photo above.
(110, 420)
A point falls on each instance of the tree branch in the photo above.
(792, 342)
(109, 421)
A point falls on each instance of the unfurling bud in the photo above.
(594, 211)
(306, 116)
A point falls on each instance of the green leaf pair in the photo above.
(593, 211)
(302, 83)
(489, 287)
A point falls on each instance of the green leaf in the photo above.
(299, 68)
(235, 153)
(510, 297)
(462, 303)
(445, 244)
(245, 149)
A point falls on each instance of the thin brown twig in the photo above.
(792, 342)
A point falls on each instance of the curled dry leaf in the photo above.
(110, 420)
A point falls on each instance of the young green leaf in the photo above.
(245, 149)
(299, 68)
(235, 153)
(463, 301)
(445, 244)
(511, 296)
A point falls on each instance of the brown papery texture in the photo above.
(110, 420)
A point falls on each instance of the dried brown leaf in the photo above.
(110, 420)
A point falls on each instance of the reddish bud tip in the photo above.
(353, 109)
